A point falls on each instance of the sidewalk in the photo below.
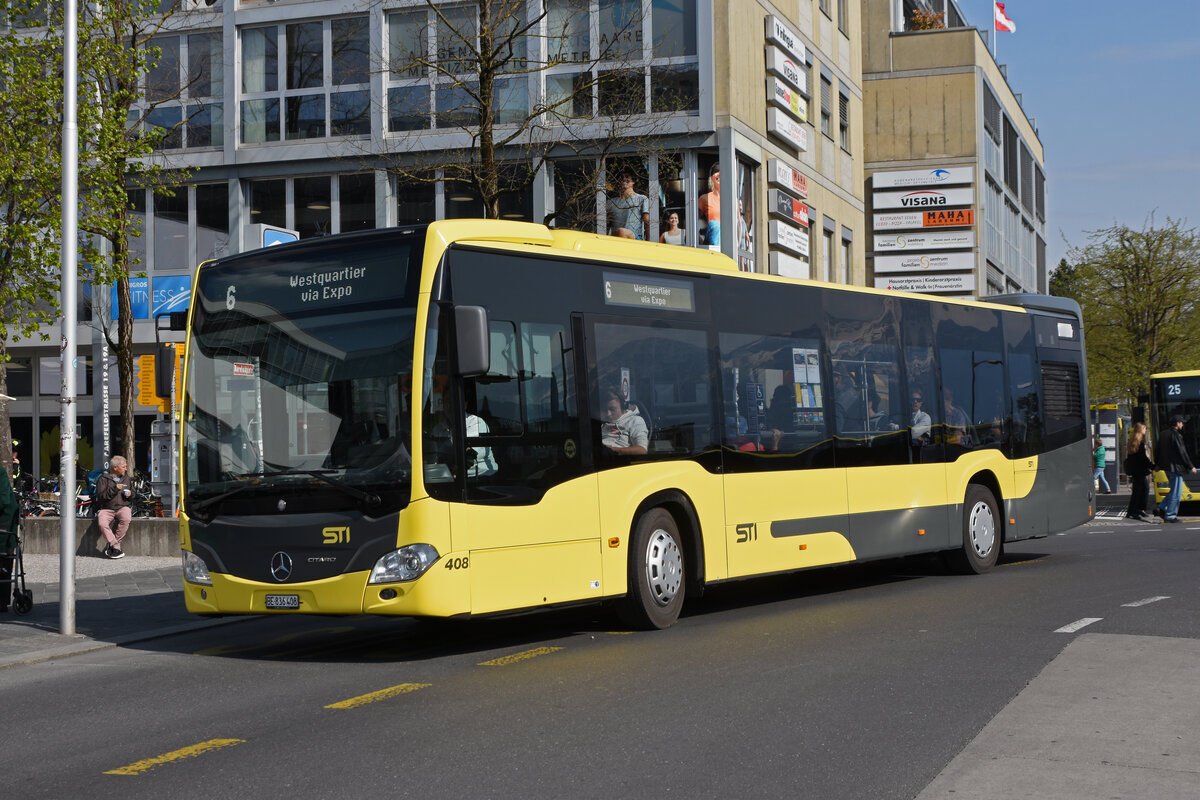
(116, 602)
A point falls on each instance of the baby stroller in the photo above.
(12, 573)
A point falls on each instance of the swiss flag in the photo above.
(1003, 23)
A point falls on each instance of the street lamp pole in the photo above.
(68, 355)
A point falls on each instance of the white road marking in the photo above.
(1145, 601)
(1077, 624)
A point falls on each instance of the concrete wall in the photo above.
(146, 537)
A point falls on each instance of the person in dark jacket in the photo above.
(112, 496)
(1173, 459)
(1138, 468)
(10, 509)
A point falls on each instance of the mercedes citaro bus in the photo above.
(421, 421)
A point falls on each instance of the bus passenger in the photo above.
(921, 422)
(625, 432)
(956, 420)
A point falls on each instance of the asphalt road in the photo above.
(860, 682)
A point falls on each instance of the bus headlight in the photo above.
(195, 570)
(406, 564)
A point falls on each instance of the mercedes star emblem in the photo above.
(281, 566)
(281, 505)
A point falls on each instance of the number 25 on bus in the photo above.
(476, 417)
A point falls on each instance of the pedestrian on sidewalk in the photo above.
(1098, 460)
(112, 495)
(1138, 467)
(1173, 459)
(10, 509)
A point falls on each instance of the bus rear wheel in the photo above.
(656, 573)
(981, 533)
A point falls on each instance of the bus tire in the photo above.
(656, 573)
(981, 533)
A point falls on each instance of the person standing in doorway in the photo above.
(673, 233)
(1137, 467)
(1173, 459)
(112, 495)
(629, 212)
(1098, 459)
(710, 207)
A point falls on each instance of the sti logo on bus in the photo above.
(747, 532)
(336, 535)
(925, 198)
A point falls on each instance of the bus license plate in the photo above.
(283, 601)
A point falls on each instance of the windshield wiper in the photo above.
(322, 475)
(200, 505)
(370, 498)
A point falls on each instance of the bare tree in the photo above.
(467, 70)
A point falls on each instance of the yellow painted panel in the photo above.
(760, 498)
(526, 577)
(895, 487)
(621, 492)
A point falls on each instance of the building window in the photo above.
(319, 205)
(312, 103)
(431, 54)
(845, 269)
(184, 226)
(826, 106)
(844, 121)
(827, 273)
(183, 91)
(824, 6)
(843, 12)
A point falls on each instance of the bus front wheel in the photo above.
(656, 573)
(981, 533)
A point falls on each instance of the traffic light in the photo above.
(164, 369)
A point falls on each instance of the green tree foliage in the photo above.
(117, 155)
(30, 145)
(1139, 291)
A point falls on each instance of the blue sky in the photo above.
(1114, 88)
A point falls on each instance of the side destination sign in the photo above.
(925, 198)
(648, 291)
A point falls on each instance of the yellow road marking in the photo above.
(147, 764)
(382, 694)
(515, 657)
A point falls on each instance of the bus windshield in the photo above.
(1178, 394)
(299, 379)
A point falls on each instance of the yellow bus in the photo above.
(476, 417)
(1174, 393)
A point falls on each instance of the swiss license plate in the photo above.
(283, 601)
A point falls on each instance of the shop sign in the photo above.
(787, 98)
(787, 129)
(937, 176)
(926, 283)
(922, 262)
(781, 64)
(949, 218)
(918, 240)
(788, 266)
(784, 205)
(781, 35)
(780, 234)
(922, 199)
(780, 174)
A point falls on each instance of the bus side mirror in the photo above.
(474, 350)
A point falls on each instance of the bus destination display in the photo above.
(648, 292)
